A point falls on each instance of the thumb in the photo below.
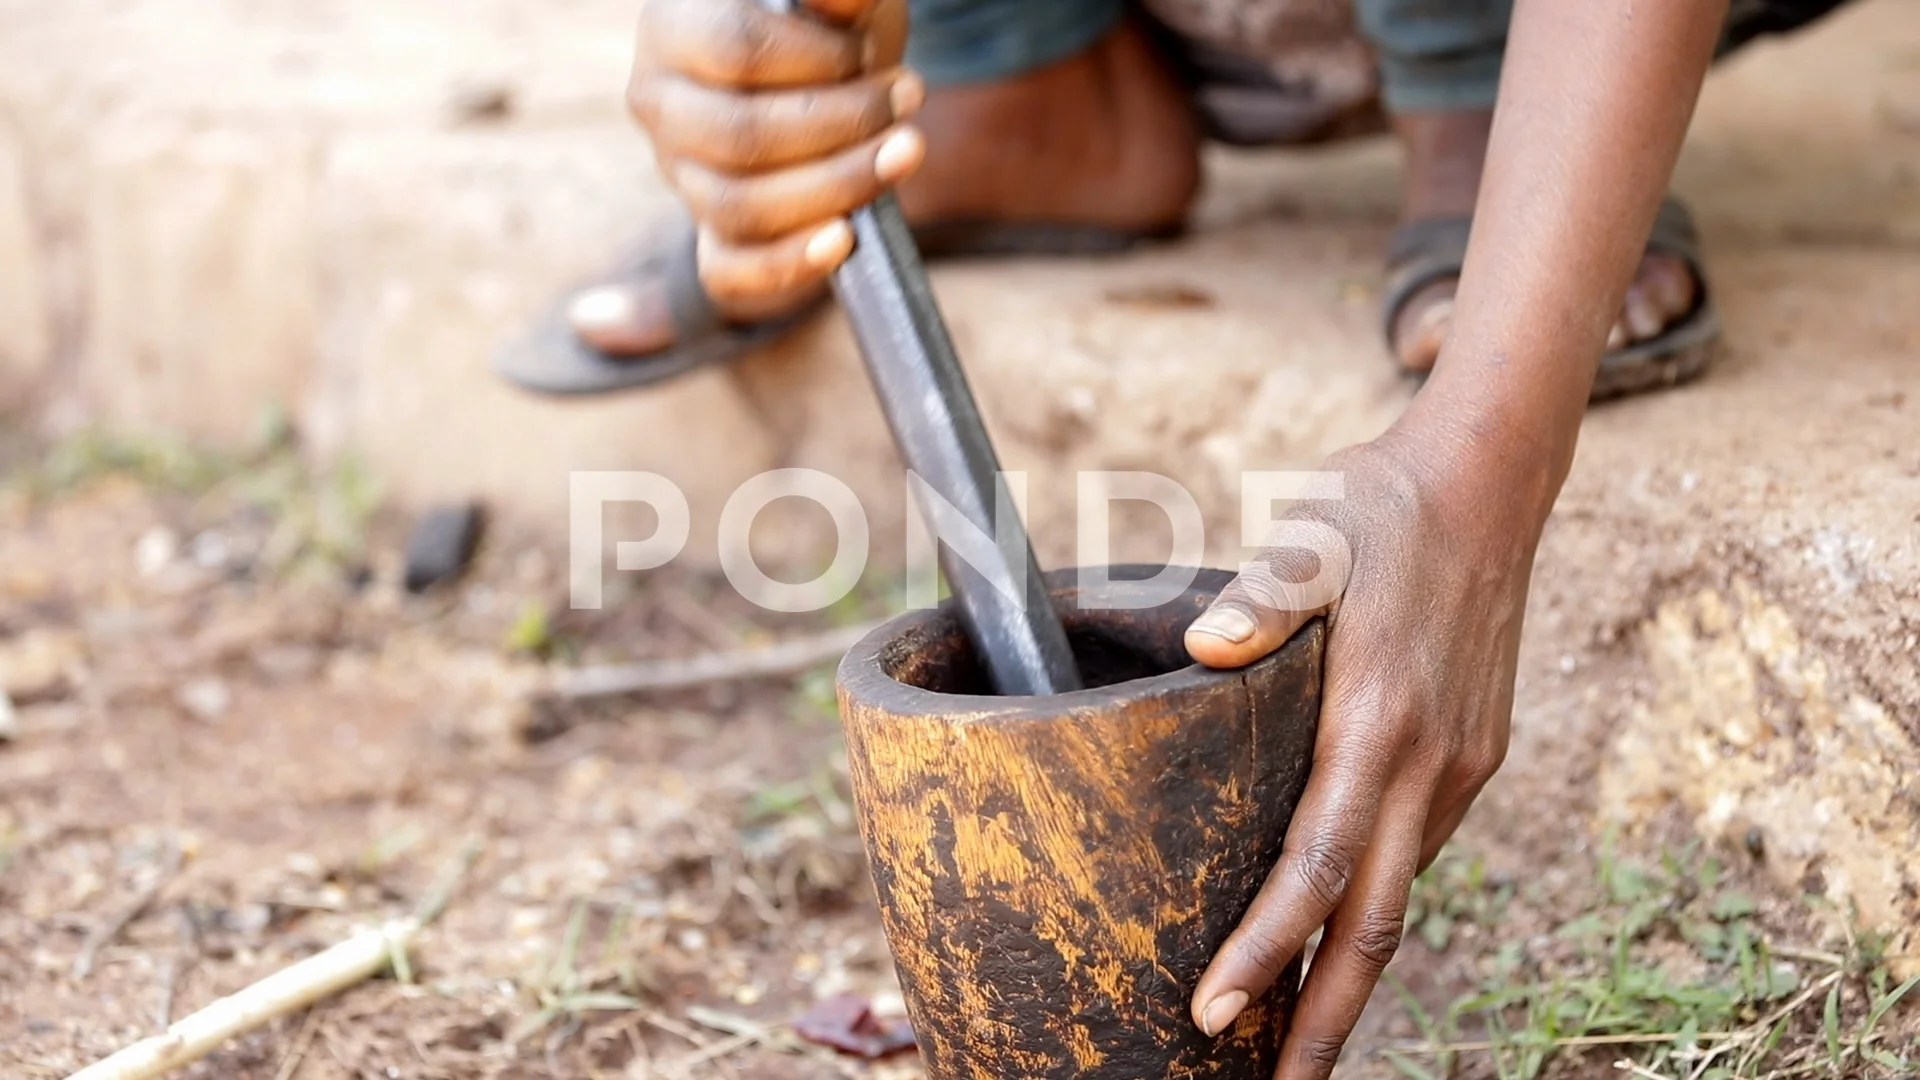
(1301, 573)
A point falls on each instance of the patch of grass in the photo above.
(532, 632)
(319, 518)
(152, 460)
(566, 991)
(818, 794)
(1454, 890)
(538, 633)
(798, 844)
(814, 697)
(384, 851)
(1667, 970)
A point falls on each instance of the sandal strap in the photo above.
(1674, 234)
(692, 310)
(1420, 253)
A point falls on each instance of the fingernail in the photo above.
(1222, 1011)
(899, 155)
(1234, 627)
(601, 309)
(908, 94)
(828, 246)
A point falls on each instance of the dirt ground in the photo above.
(236, 739)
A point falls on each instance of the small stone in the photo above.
(155, 550)
(480, 100)
(249, 919)
(211, 550)
(205, 699)
(442, 545)
(40, 665)
(286, 663)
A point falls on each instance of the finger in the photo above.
(1302, 572)
(843, 11)
(734, 132)
(1440, 828)
(1361, 938)
(1465, 778)
(762, 208)
(1321, 856)
(744, 277)
(739, 44)
(884, 23)
(887, 35)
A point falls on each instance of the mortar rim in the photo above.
(862, 675)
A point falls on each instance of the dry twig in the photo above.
(285, 991)
(298, 1051)
(104, 934)
(1568, 1042)
(654, 676)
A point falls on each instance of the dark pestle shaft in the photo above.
(936, 425)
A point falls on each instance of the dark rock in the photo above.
(442, 545)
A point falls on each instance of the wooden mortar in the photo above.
(1055, 873)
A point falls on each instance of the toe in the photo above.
(1663, 291)
(1421, 327)
(1669, 282)
(623, 320)
(1641, 315)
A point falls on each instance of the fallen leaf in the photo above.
(846, 1023)
(1164, 297)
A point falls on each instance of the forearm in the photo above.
(1595, 98)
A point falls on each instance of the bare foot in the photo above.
(1105, 138)
(1445, 154)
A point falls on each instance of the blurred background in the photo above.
(253, 260)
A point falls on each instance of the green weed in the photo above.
(152, 460)
(1454, 890)
(319, 518)
(1667, 969)
(566, 990)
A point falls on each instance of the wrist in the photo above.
(1501, 460)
